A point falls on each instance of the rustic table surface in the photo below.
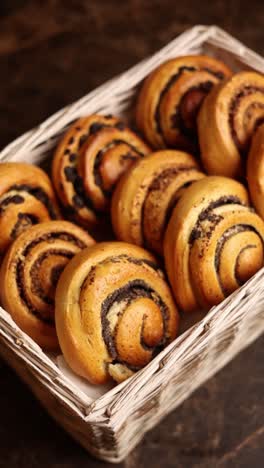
(51, 53)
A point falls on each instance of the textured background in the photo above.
(51, 53)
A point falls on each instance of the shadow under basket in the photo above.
(111, 426)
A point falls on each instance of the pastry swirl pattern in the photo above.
(30, 272)
(146, 195)
(89, 160)
(26, 198)
(213, 244)
(227, 121)
(114, 311)
(170, 99)
(255, 171)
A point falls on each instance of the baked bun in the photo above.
(171, 96)
(146, 195)
(227, 120)
(255, 171)
(29, 274)
(213, 244)
(26, 198)
(114, 311)
(89, 160)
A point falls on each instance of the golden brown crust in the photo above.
(114, 311)
(30, 272)
(92, 155)
(255, 171)
(213, 244)
(26, 198)
(146, 194)
(171, 97)
(227, 120)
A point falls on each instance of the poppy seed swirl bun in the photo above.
(30, 272)
(228, 119)
(114, 311)
(171, 96)
(26, 198)
(88, 162)
(146, 195)
(213, 243)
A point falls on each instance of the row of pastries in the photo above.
(137, 224)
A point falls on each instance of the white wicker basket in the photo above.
(112, 425)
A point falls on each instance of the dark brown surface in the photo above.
(51, 53)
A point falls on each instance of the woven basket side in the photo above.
(197, 355)
(25, 349)
(98, 439)
(212, 344)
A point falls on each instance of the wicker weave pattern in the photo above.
(111, 426)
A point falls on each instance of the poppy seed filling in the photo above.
(175, 120)
(207, 214)
(99, 158)
(132, 291)
(232, 231)
(20, 265)
(233, 108)
(39, 194)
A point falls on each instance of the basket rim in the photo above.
(24, 141)
(107, 407)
